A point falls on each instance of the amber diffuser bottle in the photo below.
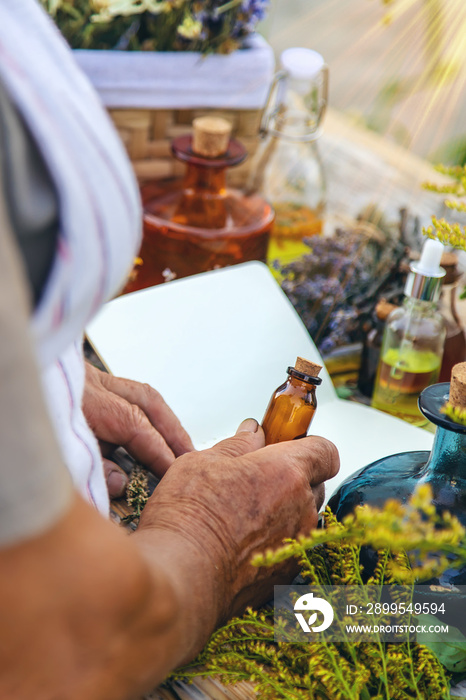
(293, 404)
(197, 223)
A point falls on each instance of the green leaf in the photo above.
(450, 648)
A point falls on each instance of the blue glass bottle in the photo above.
(397, 476)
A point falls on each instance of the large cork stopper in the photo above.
(458, 386)
(211, 136)
(310, 368)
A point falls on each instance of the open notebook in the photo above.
(216, 346)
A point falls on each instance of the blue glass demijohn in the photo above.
(397, 476)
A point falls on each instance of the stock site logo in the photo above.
(308, 603)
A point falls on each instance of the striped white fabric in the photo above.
(100, 217)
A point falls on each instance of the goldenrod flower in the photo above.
(108, 9)
(457, 415)
(190, 28)
(245, 649)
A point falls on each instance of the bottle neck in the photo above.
(295, 381)
(448, 456)
(413, 304)
(205, 179)
(301, 384)
(298, 126)
(203, 174)
(299, 109)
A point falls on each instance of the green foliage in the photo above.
(74, 18)
(453, 151)
(245, 648)
(451, 652)
(441, 24)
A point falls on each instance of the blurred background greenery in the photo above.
(398, 67)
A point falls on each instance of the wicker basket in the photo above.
(153, 97)
(147, 135)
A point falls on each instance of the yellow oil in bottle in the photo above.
(293, 223)
(401, 376)
(290, 412)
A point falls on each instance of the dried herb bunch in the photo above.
(157, 25)
(334, 287)
(245, 648)
(137, 493)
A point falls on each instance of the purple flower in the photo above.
(255, 8)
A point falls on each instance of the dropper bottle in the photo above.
(413, 341)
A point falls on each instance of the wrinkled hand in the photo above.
(240, 498)
(125, 413)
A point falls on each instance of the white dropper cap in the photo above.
(429, 263)
(426, 275)
(302, 66)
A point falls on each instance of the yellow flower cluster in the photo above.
(106, 10)
(449, 234)
(456, 414)
(396, 528)
(190, 28)
(245, 649)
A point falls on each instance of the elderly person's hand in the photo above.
(123, 611)
(235, 500)
(132, 415)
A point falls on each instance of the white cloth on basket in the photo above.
(182, 79)
(100, 218)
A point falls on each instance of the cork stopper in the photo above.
(211, 136)
(384, 309)
(458, 386)
(305, 367)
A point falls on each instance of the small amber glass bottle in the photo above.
(293, 404)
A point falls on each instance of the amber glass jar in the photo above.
(291, 408)
(198, 223)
